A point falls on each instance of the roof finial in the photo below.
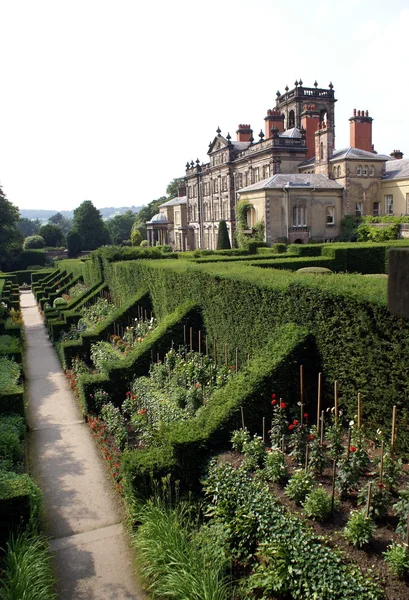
(218, 131)
(330, 85)
(315, 83)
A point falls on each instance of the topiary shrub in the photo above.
(223, 240)
(33, 242)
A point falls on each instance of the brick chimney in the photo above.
(397, 154)
(274, 118)
(361, 130)
(310, 118)
(244, 133)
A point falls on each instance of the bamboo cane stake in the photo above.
(237, 360)
(200, 341)
(191, 339)
(307, 452)
(336, 402)
(302, 394)
(157, 358)
(319, 401)
(381, 465)
(368, 503)
(348, 443)
(322, 428)
(146, 315)
(184, 335)
(393, 427)
(283, 444)
(334, 470)
(242, 418)
(359, 410)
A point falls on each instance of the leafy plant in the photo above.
(359, 530)
(318, 504)
(239, 438)
(401, 510)
(380, 500)
(9, 373)
(397, 559)
(334, 437)
(279, 422)
(299, 486)
(115, 422)
(254, 450)
(275, 469)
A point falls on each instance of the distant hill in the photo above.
(107, 213)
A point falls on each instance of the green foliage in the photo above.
(27, 573)
(381, 500)
(359, 530)
(63, 223)
(120, 227)
(9, 344)
(136, 237)
(20, 502)
(349, 226)
(115, 422)
(223, 240)
(368, 233)
(52, 235)
(317, 505)
(10, 372)
(254, 451)
(275, 469)
(89, 225)
(299, 486)
(239, 438)
(34, 242)
(401, 510)
(397, 559)
(29, 227)
(74, 243)
(10, 237)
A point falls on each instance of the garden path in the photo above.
(83, 513)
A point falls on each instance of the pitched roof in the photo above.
(294, 132)
(294, 180)
(357, 153)
(397, 169)
(174, 201)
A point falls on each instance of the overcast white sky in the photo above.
(106, 100)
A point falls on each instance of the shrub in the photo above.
(223, 240)
(359, 530)
(397, 559)
(299, 486)
(318, 504)
(33, 242)
(254, 451)
(275, 469)
(239, 438)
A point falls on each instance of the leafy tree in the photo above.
(52, 234)
(34, 242)
(64, 223)
(91, 228)
(136, 236)
(29, 226)
(120, 227)
(223, 240)
(173, 188)
(73, 243)
(10, 237)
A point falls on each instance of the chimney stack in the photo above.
(361, 130)
(274, 118)
(310, 118)
(397, 154)
(244, 133)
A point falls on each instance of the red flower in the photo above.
(367, 474)
(291, 427)
(380, 485)
(128, 393)
(295, 422)
(198, 385)
(132, 397)
(283, 404)
(352, 449)
(311, 437)
(273, 396)
(143, 411)
(305, 415)
(273, 402)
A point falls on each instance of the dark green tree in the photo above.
(11, 238)
(62, 222)
(34, 242)
(29, 226)
(223, 240)
(52, 234)
(173, 188)
(73, 243)
(120, 227)
(91, 228)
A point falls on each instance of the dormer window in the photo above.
(365, 171)
(359, 170)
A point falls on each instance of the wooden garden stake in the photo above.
(307, 451)
(302, 394)
(191, 339)
(184, 335)
(237, 360)
(283, 444)
(157, 358)
(359, 410)
(393, 427)
(368, 503)
(381, 465)
(322, 428)
(348, 443)
(319, 400)
(200, 341)
(407, 534)
(264, 430)
(146, 315)
(336, 402)
(242, 418)
(334, 470)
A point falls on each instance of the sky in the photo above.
(106, 100)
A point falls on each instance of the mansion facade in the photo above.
(296, 184)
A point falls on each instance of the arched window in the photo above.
(334, 171)
(365, 171)
(291, 119)
(324, 117)
(359, 170)
(251, 217)
(339, 171)
(371, 171)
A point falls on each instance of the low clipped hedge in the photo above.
(12, 402)
(293, 264)
(19, 502)
(187, 445)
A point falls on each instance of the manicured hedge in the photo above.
(359, 342)
(186, 446)
(293, 264)
(12, 402)
(19, 502)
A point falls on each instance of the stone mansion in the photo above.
(296, 184)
